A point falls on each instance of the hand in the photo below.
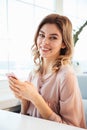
(27, 92)
(23, 90)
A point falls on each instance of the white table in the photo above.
(15, 121)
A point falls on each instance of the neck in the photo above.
(47, 66)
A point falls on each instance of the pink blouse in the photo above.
(61, 92)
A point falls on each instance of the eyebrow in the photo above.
(50, 34)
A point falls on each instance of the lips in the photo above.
(45, 49)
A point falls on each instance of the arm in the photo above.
(24, 106)
(71, 107)
(70, 100)
(43, 108)
(28, 92)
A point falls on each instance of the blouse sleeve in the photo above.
(71, 107)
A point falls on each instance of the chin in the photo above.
(45, 56)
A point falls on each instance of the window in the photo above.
(18, 21)
(76, 11)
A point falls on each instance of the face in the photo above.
(49, 41)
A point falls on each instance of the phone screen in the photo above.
(11, 75)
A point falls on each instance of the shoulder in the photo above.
(68, 82)
(66, 70)
(66, 74)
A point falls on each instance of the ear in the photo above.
(63, 45)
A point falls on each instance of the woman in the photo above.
(51, 91)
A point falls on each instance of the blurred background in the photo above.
(18, 22)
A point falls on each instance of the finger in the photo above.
(14, 88)
(15, 81)
(14, 84)
(16, 92)
(11, 83)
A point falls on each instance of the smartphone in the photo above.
(11, 75)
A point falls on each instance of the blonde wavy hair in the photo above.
(65, 26)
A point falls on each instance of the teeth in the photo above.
(44, 49)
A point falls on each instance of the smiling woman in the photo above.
(52, 86)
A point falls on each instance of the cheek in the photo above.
(56, 46)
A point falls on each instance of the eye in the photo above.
(41, 35)
(53, 38)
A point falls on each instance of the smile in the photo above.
(45, 49)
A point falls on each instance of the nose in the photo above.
(45, 41)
